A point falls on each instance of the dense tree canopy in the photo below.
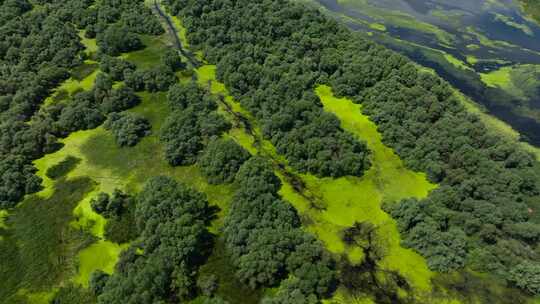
(193, 122)
(272, 53)
(128, 129)
(264, 236)
(161, 267)
(221, 160)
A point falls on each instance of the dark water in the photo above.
(519, 47)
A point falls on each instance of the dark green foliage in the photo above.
(208, 284)
(159, 78)
(111, 206)
(221, 160)
(139, 19)
(192, 123)
(525, 276)
(478, 216)
(115, 67)
(118, 100)
(82, 113)
(274, 77)
(264, 237)
(122, 229)
(214, 300)
(182, 96)
(38, 47)
(98, 280)
(118, 39)
(63, 167)
(119, 210)
(174, 242)
(128, 129)
(13, 8)
(156, 79)
(171, 58)
(17, 178)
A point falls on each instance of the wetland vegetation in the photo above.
(215, 151)
(487, 49)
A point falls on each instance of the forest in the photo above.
(225, 198)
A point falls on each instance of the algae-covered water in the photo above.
(489, 49)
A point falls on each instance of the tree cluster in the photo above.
(192, 123)
(221, 160)
(273, 76)
(37, 49)
(128, 129)
(118, 209)
(161, 265)
(267, 244)
(39, 46)
(271, 54)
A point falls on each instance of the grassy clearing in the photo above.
(125, 168)
(39, 247)
(89, 44)
(359, 199)
(149, 56)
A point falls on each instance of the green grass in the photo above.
(73, 85)
(89, 44)
(39, 247)
(149, 56)
(125, 168)
(100, 255)
(359, 199)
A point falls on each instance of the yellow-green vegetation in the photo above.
(38, 239)
(345, 201)
(473, 47)
(351, 200)
(520, 81)
(124, 168)
(472, 60)
(3, 215)
(100, 255)
(485, 41)
(71, 86)
(510, 22)
(456, 62)
(378, 26)
(89, 44)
